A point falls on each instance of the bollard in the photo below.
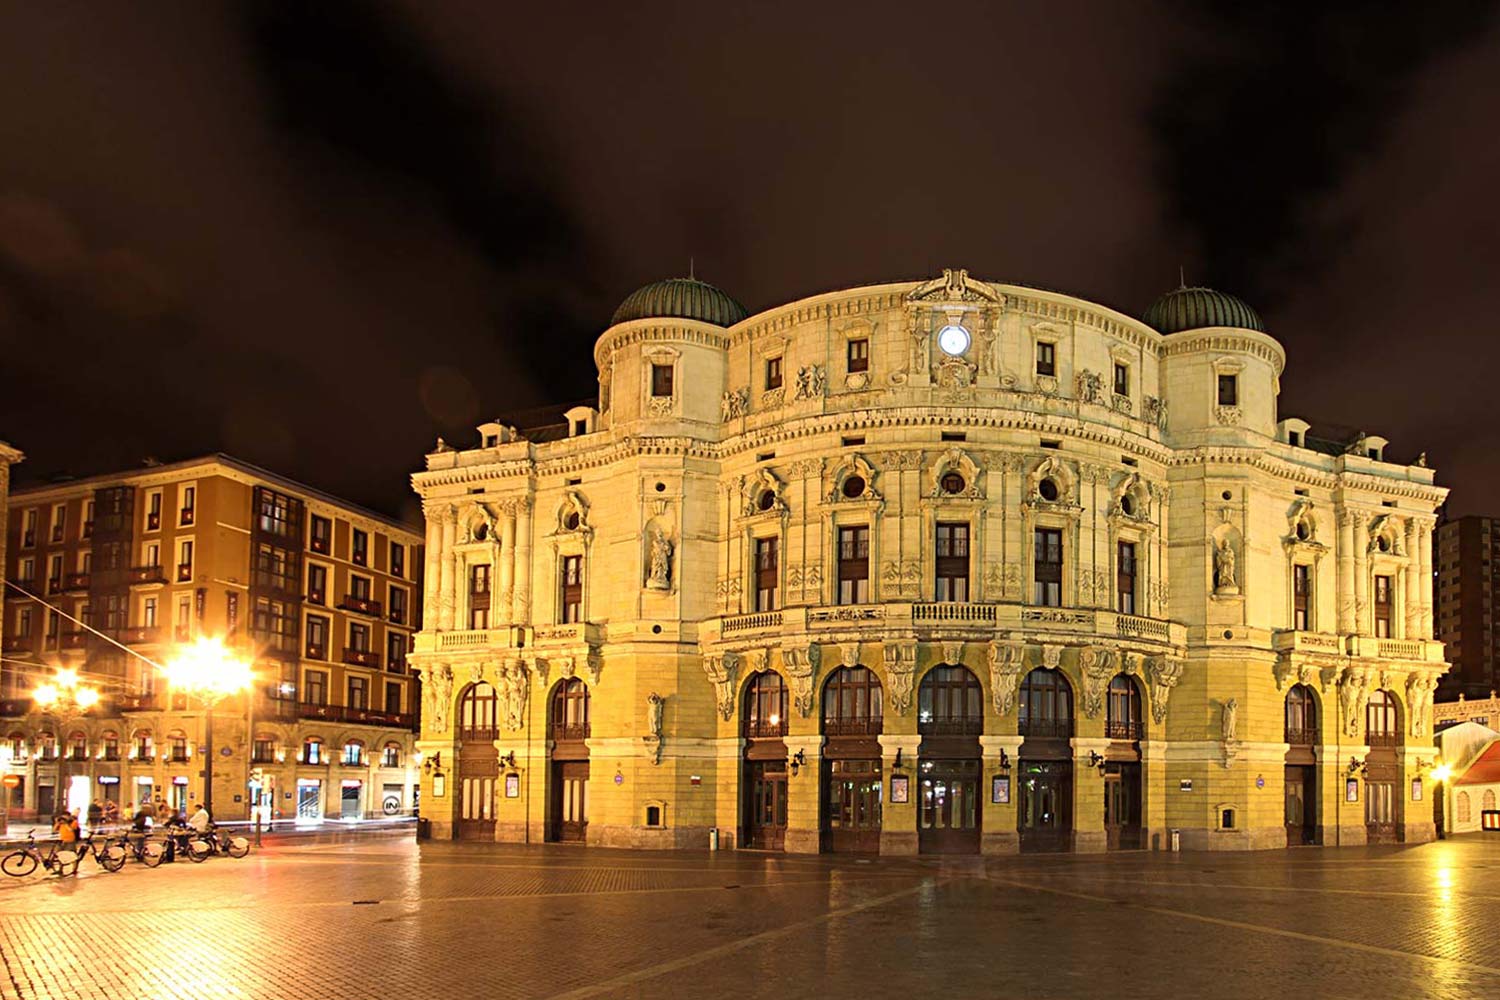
(713, 838)
(1176, 841)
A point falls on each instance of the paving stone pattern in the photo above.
(448, 921)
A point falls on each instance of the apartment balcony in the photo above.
(315, 595)
(1124, 729)
(1379, 741)
(362, 658)
(138, 702)
(398, 616)
(184, 572)
(1046, 729)
(182, 633)
(147, 574)
(853, 727)
(360, 605)
(140, 635)
(13, 707)
(153, 521)
(185, 517)
(1301, 736)
(88, 529)
(54, 585)
(364, 716)
(77, 639)
(315, 652)
(76, 581)
(322, 546)
(17, 643)
(1360, 646)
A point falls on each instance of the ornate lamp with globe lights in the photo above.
(210, 672)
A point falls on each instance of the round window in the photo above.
(953, 340)
(854, 486)
(1048, 489)
(571, 521)
(1127, 505)
(766, 500)
(953, 483)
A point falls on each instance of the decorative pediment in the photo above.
(957, 462)
(955, 286)
(1054, 470)
(764, 493)
(853, 479)
(1130, 498)
(573, 513)
(1386, 536)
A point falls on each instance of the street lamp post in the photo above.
(210, 672)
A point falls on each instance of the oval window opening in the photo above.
(1048, 489)
(854, 486)
(953, 483)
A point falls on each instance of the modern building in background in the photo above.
(322, 595)
(941, 566)
(1467, 573)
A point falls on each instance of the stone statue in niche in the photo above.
(654, 703)
(1225, 581)
(513, 690)
(440, 695)
(1229, 719)
(660, 575)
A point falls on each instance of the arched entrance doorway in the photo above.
(852, 718)
(1383, 800)
(478, 763)
(1301, 781)
(1122, 764)
(567, 731)
(950, 719)
(1045, 723)
(764, 783)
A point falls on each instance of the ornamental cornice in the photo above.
(1258, 345)
(647, 331)
(1295, 472)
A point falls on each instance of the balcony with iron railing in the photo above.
(315, 651)
(138, 702)
(147, 574)
(764, 729)
(360, 605)
(1124, 729)
(566, 731)
(863, 726)
(1046, 729)
(54, 585)
(140, 635)
(1301, 736)
(184, 572)
(1383, 740)
(185, 517)
(153, 520)
(949, 726)
(362, 657)
(76, 581)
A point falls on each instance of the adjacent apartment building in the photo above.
(321, 595)
(1465, 578)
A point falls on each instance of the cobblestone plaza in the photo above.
(386, 917)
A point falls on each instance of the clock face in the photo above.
(953, 340)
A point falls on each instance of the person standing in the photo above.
(95, 815)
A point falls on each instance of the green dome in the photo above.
(680, 298)
(1193, 308)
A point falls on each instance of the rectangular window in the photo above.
(1125, 577)
(767, 574)
(148, 612)
(312, 750)
(187, 510)
(87, 528)
(184, 623)
(1046, 358)
(54, 574)
(28, 529)
(1047, 566)
(398, 605)
(398, 559)
(317, 637)
(392, 705)
(276, 568)
(773, 373)
(59, 521)
(274, 625)
(661, 380)
(854, 565)
(859, 355)
(277, 514)
(320, 535)
(153, 511)
(479, 596)
(1383, 607)
(572, 588)
(395, 651)
(152, 555)
(185, 560)
(23, 623)
(359, 693)
(1301, 590)
(1229, 390)
(359, 587)
(1122, 380)
(360, 547)
(359, 637)
(54, 623)
(317, 583)
(952, 563)
(28, 571)
(316, 690)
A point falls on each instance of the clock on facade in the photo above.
(953, 340)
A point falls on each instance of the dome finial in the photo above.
(692, 276)
(1181, 277)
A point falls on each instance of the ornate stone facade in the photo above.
(1187, 574)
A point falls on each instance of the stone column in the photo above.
(898, 820)
(434, 542)
(507, 567)
(1346, 572)
(1361, 572)
(1412, 577)
(1088, 798)
(521, 600)
(1424, 583)
(997, 831)
(446, 593)
(804, 794)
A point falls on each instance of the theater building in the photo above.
(927, 567)
(321, 595)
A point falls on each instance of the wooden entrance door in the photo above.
(765, 810)
(1122, 806)
(1045, 818)
(948, 810)
(1301, 805)
(851, 806)
(1382, 812)
(570, 801)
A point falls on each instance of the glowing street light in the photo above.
(1441, 773)
(65, 690)
(209, 671)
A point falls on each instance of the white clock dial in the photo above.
(953, 340)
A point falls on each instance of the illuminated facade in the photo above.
(322, 595)
(942, 566)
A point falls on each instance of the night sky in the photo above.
(318, 235)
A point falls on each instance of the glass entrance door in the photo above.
(948, 807)
(1122, 806)
(309, 799)
(570, 800)
(1045, 819)
(765, 811)
(851, 806)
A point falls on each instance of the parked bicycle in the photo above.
(108, 854)
(23, 861)
(224, 842)
(141, 847)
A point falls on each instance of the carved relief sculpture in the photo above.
(1352, 695)
(900, 669)
(1098, 665)
(735, 404)
(1007, 663)
(721, 672)
(811, 381)
(1164, 672)
(801, 664)
(1090, 386)
(513, 689)
(440, 696)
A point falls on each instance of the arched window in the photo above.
(264, 749)
(1301, 716)
(78, 745)
(109, 745)
(476, 713)
(312, 751)
(1463, 807)
(852, 703)
(1046, 705)
(17, 741)
(765, 706)
(46, 746)
(177, 747)
(1382, 720)
(1488, 802)
(354, 753)
(570, 710)
(1123, 719)
(950, 702)
(390, 756)
(140, 745)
